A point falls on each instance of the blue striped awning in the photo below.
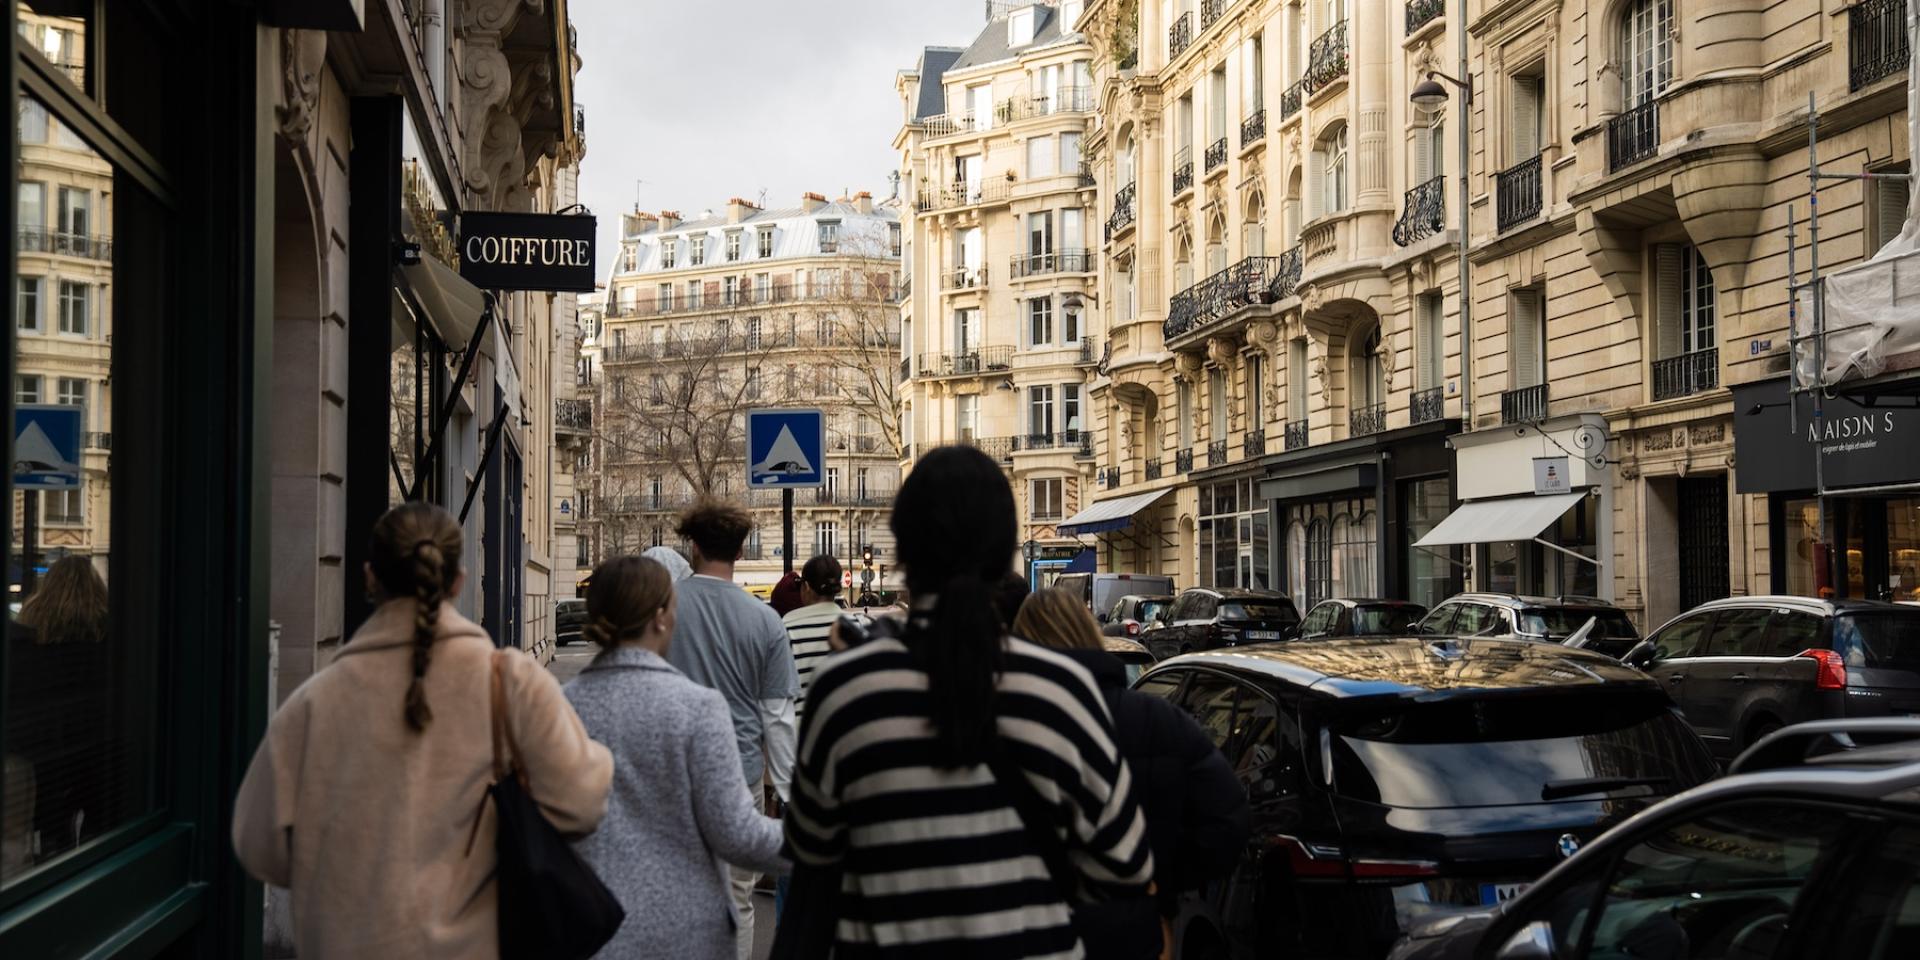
(1105, 515)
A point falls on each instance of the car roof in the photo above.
(1410, 666)
(1152, 597)
(1234, 593)
(1810, 604)
(1523, 600)
(1369, 602)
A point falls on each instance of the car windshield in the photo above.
(1561, 622)
(1149, 609)
(1890, 639)
(1505, 750)
(1257, 610)
(1386, 619)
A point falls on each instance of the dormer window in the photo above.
(766, 242)
(829, 236)
(669, 254)
(1020, 27)
(733, 245)
(699, 257)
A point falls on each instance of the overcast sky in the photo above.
(690, 102)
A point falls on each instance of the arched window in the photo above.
(1646, 50)
(1366, 371)
(1328, 192)
(1255, 241)
(1183, 265)
(1216, 244)
(1123, 158)
(1290, 210)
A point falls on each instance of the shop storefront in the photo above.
(1871, 475)
(1536, 509)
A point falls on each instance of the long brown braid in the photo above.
(416, 552)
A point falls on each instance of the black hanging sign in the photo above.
(527, 251)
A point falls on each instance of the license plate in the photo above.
(1263, 634)
(1497, 893)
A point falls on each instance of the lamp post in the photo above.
(1032, 550)
(1430, 95)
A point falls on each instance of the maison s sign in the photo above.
(527, 251)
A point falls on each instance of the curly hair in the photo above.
(416, 552)
(717, 528)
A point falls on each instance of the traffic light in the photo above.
(866, 557)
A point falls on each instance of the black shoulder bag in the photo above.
(551, 903)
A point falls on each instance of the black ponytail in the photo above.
(953, 525)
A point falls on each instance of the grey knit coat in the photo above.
(678, 812)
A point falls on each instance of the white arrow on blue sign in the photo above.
(786, 448)
(46, 446)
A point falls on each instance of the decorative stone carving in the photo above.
(303, 54)
(1324, 377)
(494, 160)
(1220, 351)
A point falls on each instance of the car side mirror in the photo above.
(1641, 656)
(1531, 942)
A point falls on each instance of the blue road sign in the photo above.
(786, 448)
(46, 446)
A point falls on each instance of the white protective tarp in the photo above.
(1872, 308)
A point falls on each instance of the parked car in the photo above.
(1547, 619)
(1391, 779)
(1743, 667)
(1101, 590)
(1131, 653)
(1132, 614)
(569, 619)
(1361, 618)
(1203, 618)
(1792, 857)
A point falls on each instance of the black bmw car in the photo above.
(1394, 780)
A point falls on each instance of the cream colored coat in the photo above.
(368, 822)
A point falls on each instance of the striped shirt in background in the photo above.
(807, 631)
(936, 862)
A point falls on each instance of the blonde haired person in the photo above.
(1055, 618)
(368, 796)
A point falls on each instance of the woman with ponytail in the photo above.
(964, 784)
(368, 796)
(680, 811)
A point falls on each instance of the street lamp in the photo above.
(1429, 95)
(1032, 551)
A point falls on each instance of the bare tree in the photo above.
(683, 410)
(857, 315)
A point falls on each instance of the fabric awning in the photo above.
(1105, 515)
(451, 303)
(1499, 520)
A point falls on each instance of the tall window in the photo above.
(1183, 411)
(1890, 199)
(1070, 408)
(826, 538)
(26, 304)
(695, 295)
(753, 333)
(833, 481)
(1646, 50)
(733, 245)
(669, 254)
(966, 331)
(764, 241)
(1040, 321)
(1368, 372)
(1685, 309)
(73, 307)
(32, 209)
(698, 255)
(1040, 411)
(1040, 157)
(1256, 392)
(72, 392)
(1217, 104)
(1329, 170)
(1255, 228)
(1070, 151)
(753, 383)
(1529, 114)
(730, 290)
(1429, 342)
(26, 388)
(1297, 379)
(1124, 160)
(76, 208)
(829, 236)
(664, 300)
(966, 415)
(1255, 74)
(1045, 499)
(1217, 405)
(1527, 329)
(1039, 236)
(893, 238)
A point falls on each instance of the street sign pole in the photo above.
(786, 528)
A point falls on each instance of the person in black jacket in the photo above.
(1196, 809)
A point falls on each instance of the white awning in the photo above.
(1115, 514)
(1499, 520)
(451, 303)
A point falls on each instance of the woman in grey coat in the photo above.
(679, 810)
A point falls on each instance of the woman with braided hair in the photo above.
(680, 811)
(368, 796)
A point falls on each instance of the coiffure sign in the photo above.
(1859, 445)
(527, 251)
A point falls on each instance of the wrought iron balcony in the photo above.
(1427, 405)
(1290, 98)
(98, 440)
(1253, 280)
(1210, 11)
(1061, 261)
(1182, 170)
(1183, 460)
(88, 245)
(1253, 128)
(1327, 57)
(1180, 35)
(1686, 374)
(1122, 216)
(1633, 136)
(1367, 421)
(1422, 12)
(1254, 444)
(964, 278)
(1217, 453)
(1519, 187)
(966, 363)
(1090, 350)
(1153, 469)
(1109, 477)
(1425, 213)
(999, 448)
(1525, 405)
(574, 416)
(1079, 441)
(1877, 44)
(1286, 275)
(1296, 434)
(1216, 154)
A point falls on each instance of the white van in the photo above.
(1100, 591)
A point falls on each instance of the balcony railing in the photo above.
(835, 497)
(1427, 405)
(1180, 35)
(1254, 444)
(1686, 374)
(964, 278)
(1153, 469)
(1122, 216)
(1061, 100)
(1290, 98)
(1183, 460)
(1525, 405)
(573, 415)
(1633, 136)
(1253, 280)
(99, 440)
(1109, 477)
(1296, 434)
(579, 120)
(966, 363)
(1327, 57)
(999, 448)
(1320, 240)
(1217, 453)
(1425, 213)
(1090, 350)
(1210, 11)
(1519, 193)
(89, 245)
(963, 194)
(1216, 154)
(1079, 441)
(1287, 275)
(1253, 128)
(948, 124)
(1367, 421)
(1422, 12)
(1060, 261)
(1876, 41)
(1182, 170)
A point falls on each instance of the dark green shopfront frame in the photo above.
(167, 885)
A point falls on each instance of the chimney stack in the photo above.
(863, 202)
(738, 210)
(636, 223)
(809, 202)
(669, 219)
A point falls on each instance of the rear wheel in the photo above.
(1758, 730)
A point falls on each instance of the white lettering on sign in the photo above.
(529, 251)
(1847, 428)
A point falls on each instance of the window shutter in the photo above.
(1525, 339)
(1526, 119)
(1316, 184)
(1437, 149)
(1423, 342)
(1667, 300)
(1892, 198)
(1422, 155)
